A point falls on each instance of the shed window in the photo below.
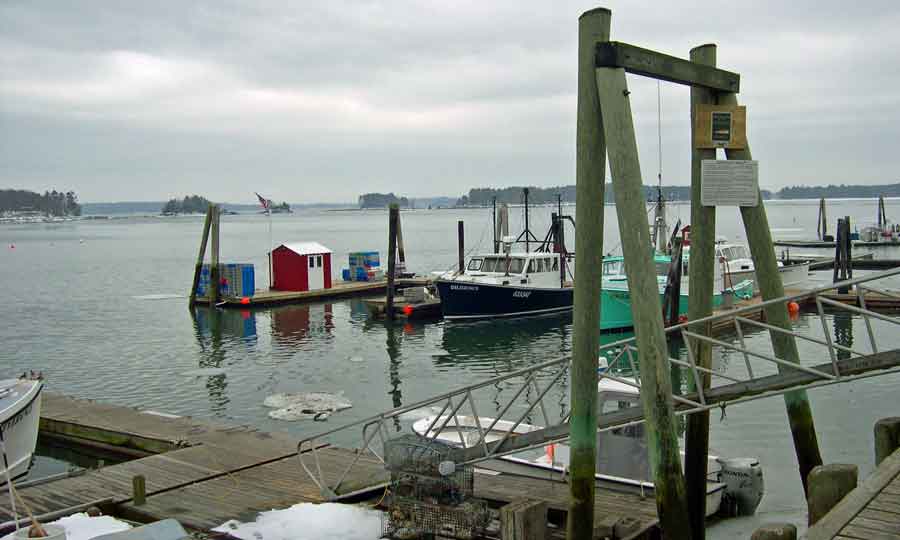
(312, 261)
(319, 261)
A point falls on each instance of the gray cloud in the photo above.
(319, 101)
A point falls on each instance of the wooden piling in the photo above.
(822, 225)
(461, 245)
(494, 222)
(655, 376)
(887, 438)
(759, 236)
(198, 268)
(214, 256)
(828, 484)
(524, 519)
(401, 252)
(775, 531)
(701, 285)
(393, 221)
(590, 172)
(138, 490)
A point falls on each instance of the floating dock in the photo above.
(204, 474)
(403, 309)
(343, 289)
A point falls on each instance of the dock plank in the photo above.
(853, 517)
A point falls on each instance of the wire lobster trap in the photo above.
(430, 494)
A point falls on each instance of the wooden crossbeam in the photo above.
(662, 66)
(774, 384)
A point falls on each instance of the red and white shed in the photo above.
(301, 266)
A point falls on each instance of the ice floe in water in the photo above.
(307, 521)
(306, 405)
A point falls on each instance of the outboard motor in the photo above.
(744, 488)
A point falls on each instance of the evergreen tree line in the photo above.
(190, 204)
(839, 192)
(537, 195)
(51, 203)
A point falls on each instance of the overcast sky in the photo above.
(322, 101)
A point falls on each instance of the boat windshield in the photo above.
(735, 252)
(475, 264)
(498, 264)
(617, 268)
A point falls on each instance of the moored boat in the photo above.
(615, 298)
(20, 412)
(622, 458)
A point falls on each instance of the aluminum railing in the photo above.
(455, 414)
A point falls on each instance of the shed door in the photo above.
(316, 271)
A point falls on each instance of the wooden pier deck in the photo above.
(204, 474)
(869, 512)
(341, 289)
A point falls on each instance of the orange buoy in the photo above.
(407, 310)
(245, 300)
(793, 309)
(550, 450)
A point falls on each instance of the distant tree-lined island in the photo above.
(191, 204)
(842, 191)
(51, 203)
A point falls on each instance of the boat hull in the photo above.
(471, 300)
(615, 304)
(19, 422)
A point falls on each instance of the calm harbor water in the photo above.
(100, 307)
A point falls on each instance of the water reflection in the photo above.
(216, 330)
(393, 351)
(843, 332)
(293, 326)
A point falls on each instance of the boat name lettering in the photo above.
(9, 424)
(463, 288)
(521, 294)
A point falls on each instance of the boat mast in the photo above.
(494, 222)
(659, 222)
(527, 230)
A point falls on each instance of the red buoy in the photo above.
(245, 300)
(793, 309)
(407, 310)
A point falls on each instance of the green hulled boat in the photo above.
(615, 299)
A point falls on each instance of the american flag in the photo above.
(263, 201)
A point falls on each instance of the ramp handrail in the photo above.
(493, 437)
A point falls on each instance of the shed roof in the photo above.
(306, 248)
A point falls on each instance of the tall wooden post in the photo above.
(701, 285)
(759, 236)
(198, 268)
(393, 221)
(590, 173)
(214, 256)
(494, 221)
(822, 226)
(634, 229)
(461, 245)
(401, 252)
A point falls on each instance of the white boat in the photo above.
(20, 413)
(734, 486)
(737, 266)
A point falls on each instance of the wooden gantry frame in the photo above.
(605, 128)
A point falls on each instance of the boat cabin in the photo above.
(539, 269)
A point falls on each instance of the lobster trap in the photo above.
(430, 494)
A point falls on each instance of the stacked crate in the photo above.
(364, 266)
(239, 280)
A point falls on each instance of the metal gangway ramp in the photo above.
(486, 437)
